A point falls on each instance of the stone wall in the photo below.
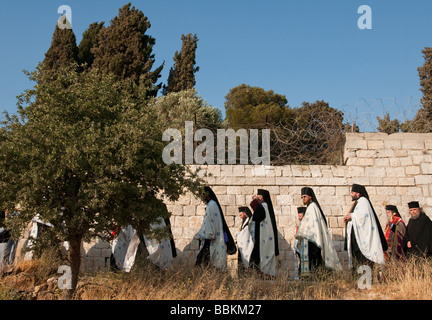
(395, 169)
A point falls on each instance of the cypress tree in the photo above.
(425, 74)
(63, 50)
(125, 49)
(182, 74)
(422, 122)
(88, 42)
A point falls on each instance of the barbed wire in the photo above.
(364, 112)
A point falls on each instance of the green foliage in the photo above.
(88, 42)
(253, 107)
(63, 50)
(182, 74)
(422, 122)
(310, 134)
(87, 156)
(425, 74)
(177, 107)
(125, 50)
(388, 126)
(316, 136)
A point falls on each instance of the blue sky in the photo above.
(307, 50)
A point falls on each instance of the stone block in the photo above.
(325, 191)
(412, 170)
(375, 144)
(284, 181)
(382, 162)
(426, 168)
(385, 153)
(390, 181)
(240, 200)
(392, 144)
(406, 181)
(428, 144)
(423, 179)
(181, 222)
(176, 210)
(236, 190)
(413, 144)
(339, 171)
(375, 172)
(226, 200)
(315, 171)
(189, 211)
(284, 200)
(238, 170)
(286, 171)
(355, 144)
(395, 172)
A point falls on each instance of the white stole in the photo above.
(366, 233)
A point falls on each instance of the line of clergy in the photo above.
(257, 247)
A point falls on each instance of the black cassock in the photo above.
(419, 233)
(258, 216)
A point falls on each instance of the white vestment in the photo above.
(160, 252)
(120, 246)
(267, 244)
(212, 228)
(313, 228)
(33, 235)
(366, 232)
(245, 240)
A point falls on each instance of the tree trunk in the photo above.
(75, 263)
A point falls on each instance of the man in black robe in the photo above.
(418, 236)
(266, 248)
(245, 214)
(358, 192)
(246, 217)
(300, 214)
(314, 252)
(204, 255)
(267, 199)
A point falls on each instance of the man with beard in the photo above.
(366, 242)
(418, 237)
(314, 241)
(395, 233)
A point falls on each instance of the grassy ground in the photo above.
(411, 280)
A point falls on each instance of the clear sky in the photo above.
(307, 50)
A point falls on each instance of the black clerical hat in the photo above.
(360, 189)
(307, 191)
(413, 204)
(301, 210)
(393, 208)
(246, 210)
(357, 188)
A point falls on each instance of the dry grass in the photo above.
(411, 280)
